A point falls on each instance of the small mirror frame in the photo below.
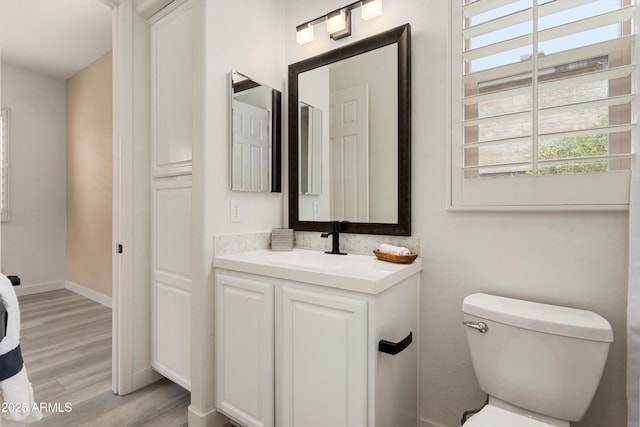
(402, 36)
(276, 133)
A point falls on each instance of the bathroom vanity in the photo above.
(306, 339)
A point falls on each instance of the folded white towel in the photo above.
(394, 250)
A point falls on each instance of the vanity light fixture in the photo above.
(339, 24)
(339, 21)
(304, 33)
(371, 9)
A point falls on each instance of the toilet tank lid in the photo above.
(551, 319)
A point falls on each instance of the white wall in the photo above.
(33, 241)
(570, 258)
(246, 36)
(255, 50)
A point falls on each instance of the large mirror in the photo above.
(255, 135)
(350, 137)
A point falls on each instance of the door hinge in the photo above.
(119, 248)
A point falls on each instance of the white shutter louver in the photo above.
(547, 87)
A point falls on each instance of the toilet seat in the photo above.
(492, 416)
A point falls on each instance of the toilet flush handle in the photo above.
(479, 326)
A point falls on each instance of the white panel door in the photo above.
(322, 361)
(171, 91)
(349, 142)
(245, 350)
(251, 147)
(171, 278)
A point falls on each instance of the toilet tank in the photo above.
(544, 358)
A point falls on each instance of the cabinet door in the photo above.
(245, 350)
(323, 361)
(171, 90)
(171, 280)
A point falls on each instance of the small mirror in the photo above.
(255, 135)
(310, 138)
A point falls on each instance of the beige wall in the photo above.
(89, 176)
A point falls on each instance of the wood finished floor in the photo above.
(66, 346)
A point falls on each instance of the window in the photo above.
(4, 164)
(542, 102)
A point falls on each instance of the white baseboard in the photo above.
(210, 419)
(88, 293)
(37, 288)
(430, 423)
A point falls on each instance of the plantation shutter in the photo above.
(546, 92)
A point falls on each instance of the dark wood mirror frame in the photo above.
(402, 36)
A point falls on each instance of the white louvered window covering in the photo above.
(4, 164)
(542, 102)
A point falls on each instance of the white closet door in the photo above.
(322, 361)
(171, 90)
(171, 142)
(171, 279)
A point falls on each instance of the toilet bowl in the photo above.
(540, 364)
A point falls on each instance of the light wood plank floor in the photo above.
(66, 346)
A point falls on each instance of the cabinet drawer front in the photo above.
(323, 365)
(245, 350)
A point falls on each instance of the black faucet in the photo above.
(335, 247)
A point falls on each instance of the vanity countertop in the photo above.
(358, 273)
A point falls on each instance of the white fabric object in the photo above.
(17, 395)
(17, 392)
(394, 250)
(10, 301)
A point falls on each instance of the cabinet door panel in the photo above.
(245, 350)
(171, 91)
(324, 360)
(171, 279)
(172, 228)
(172, 343)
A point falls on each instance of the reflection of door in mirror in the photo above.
(251, 145)
(310, 150)
(349, 146)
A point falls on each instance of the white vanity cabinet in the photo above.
(311, 351)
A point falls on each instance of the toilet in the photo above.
(540, 364)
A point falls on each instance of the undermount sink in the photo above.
(361, 273)
(312, 260)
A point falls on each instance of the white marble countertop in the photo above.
(358, 273)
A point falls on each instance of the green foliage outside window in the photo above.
(575, 146)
